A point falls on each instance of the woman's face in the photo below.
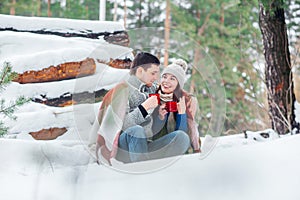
(168, 83)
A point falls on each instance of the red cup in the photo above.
(157, 96)
(171, 106)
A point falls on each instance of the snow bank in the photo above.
(260, 171)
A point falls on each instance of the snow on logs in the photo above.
(112, 32)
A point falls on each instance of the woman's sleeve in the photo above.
(181, 122)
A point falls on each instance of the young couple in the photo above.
(135, 127)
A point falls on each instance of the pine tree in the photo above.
(7, 110)
(145, 13)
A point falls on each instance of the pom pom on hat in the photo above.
(181, 63)
(177, 69)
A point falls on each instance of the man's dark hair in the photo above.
(143, 59)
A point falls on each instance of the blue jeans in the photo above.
(134, 146)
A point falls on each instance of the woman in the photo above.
(171, 89)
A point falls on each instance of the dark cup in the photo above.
(171, 106)
(157, 96)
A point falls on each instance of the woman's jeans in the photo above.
(134, 145)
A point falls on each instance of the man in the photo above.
(137, 123)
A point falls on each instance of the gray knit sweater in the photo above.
(137, 95)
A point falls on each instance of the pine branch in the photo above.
(6, 75)
(3, 129)
(8, 111)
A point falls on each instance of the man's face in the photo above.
(150, 75)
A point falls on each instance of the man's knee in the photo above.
(136, 131)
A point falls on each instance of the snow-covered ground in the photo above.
(229, 167)
(237, 168)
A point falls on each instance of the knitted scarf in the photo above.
(165, 97)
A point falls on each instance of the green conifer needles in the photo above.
(8, 109)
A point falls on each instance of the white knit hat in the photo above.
(177, 69)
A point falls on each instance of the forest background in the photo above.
(227, 31)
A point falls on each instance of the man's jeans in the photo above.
(134, 146)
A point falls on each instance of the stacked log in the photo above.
(63, 71)
(69, 99)
(118, 63)
(48, 134)
(119, 38)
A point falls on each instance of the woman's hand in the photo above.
(181, 107)
(162, 111)
(150, 103)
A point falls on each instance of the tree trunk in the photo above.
(222, 17)
(278, 74)
(125, 13)
(198, 55)
(115, 10)
(12, 8)
(140, 15)
(102, 10)
(39, 8)
(49, 9)
(167, 33)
